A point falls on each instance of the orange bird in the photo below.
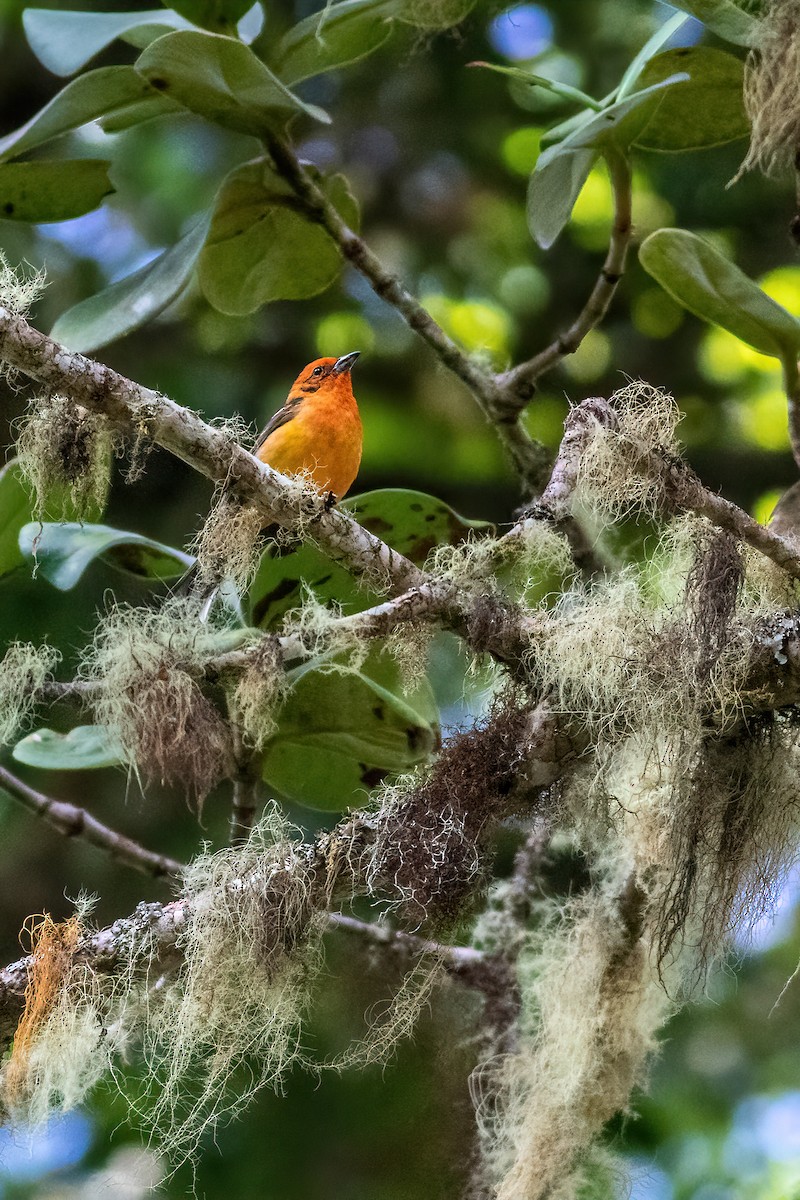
(318, 430)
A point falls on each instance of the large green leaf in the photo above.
(154, 104)
(131, 302)
(97, 93)
(63, 552)
(221, 16)
(65, 41)
(260, 248)
(340, 34)
(706, 111)
(341, 732)
(711, 286)
(15, 511)
(561, 170)
(222, 80)
(52, 191)
(553, 188)
(412, 523)
(84, 748)
(724, 18)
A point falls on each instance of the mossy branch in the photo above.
(75, 822)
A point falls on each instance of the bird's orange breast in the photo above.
(323, 440)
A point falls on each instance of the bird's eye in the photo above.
(317, 371)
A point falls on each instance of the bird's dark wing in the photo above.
(281, 417)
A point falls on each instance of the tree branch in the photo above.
(530, 458)
(72, 821)
(518, 383)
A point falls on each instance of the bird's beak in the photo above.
(346, 363)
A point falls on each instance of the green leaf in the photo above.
(64, 551)
(84, 748)
(711, 286)
(153, 105)
(412, 523)
(52, 191)
(220, 16)
(15, 511)
(648, 50)
(564, 90)
(131, 302)
(65, 41)
(553, 188)
(706, 111)
(724, 18)
(102, 92)
(260, 248)
(562, 169)
(337, 36)
(341, 732)
(220, 79)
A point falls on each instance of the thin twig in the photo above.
(72, 821)
(519, 382)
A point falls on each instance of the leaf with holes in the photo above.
(52, 191)
(412, 523)
(341, 732)
(63, 552)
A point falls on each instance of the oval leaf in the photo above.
(339, 35)
(220, 79)
(64, 551)
(706, 111)
(712, 287)
(131, 302)
(84, 748)
(342, 732)
(260, 248)
(104, 91)
(52, 191)
(553, 188)
(65, 41)
(412, 523)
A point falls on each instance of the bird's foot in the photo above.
(331, 500)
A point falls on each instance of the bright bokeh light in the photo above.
(783, 286)
(592, 358)
(764, 506)
(340, 332)
(655, 314)
(481, 326)
(723, 358)
(525, 288)
(521, 32)
(520, 149)
(762, 419)
(26, 1156)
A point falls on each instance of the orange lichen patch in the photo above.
(52, 946)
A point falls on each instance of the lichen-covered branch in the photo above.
(75, 822)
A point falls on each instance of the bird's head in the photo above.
(330, 374)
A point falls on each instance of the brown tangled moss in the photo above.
(65, 454)
(149, 665)
(430, 852)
